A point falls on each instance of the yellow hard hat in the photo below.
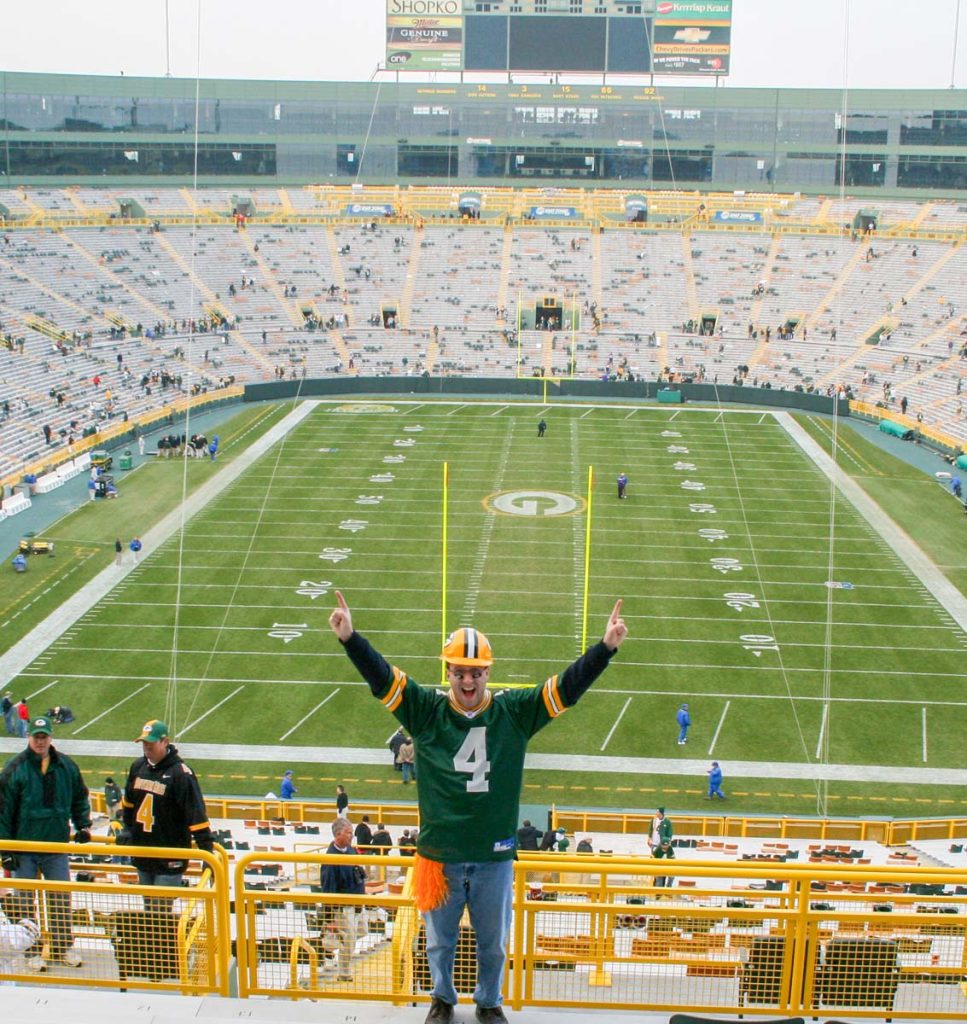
(466, 646)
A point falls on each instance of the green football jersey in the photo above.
(470, 766)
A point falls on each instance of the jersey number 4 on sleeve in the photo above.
(472, 758)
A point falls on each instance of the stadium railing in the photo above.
(589, 931)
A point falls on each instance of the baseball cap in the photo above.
(41, 724)
(153, 731)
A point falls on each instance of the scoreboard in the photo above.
(633, 37)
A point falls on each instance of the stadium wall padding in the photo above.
(533, 387)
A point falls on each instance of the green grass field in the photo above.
(722, 553)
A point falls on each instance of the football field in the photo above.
(752, 589)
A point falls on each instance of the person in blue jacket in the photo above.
(287, 788)
(213, 447)
(715, 782)
(684, 720)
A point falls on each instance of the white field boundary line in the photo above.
(305, 718)
(211, 710)
(18, 657)
(617, 722)
(899, 541)
(245, 754)
(114, 707)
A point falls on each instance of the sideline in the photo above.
(26, 650)
(905, 548)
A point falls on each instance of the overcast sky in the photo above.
(791, 43)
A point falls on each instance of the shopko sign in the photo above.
(423, 7)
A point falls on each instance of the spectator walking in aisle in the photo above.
(684, 720)
(346, 880)
(382, 839)
(527, 836)
(470, 750)
(42, 793)
(364, 836)
(287, 788)
(660, 843)
(715, 782)
(112, 798)
(162, 806)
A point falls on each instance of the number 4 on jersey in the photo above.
(472, 758)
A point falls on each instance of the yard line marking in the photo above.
(822, 730)
(628, 417)
(583, 414)
(621, 715)
(201, 718)
(718, 728)
(761, 418)
(37, 693)
(677, 411)
(497, 412)
(718, 419)
(415, 408)
(924, 730)
(109, 710)
(311, 713)
(459, 408)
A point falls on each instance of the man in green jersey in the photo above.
(470, 748)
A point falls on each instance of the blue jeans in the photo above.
(158, 903)
(54, 868)
(486, 889)
(409, 771)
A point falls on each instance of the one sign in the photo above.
(737, 217)
(369, 210)
(553, 213)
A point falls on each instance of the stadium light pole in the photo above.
(953, 62)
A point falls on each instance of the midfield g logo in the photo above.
(533, 503)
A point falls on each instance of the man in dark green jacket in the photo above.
(41, 793)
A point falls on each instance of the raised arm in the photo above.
(617, 630)
(341, 620)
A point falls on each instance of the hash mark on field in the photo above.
(201, 718)
(308, 716)
(718, 728)
(617, 722)
(110, 709)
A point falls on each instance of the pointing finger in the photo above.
(617, 609)
(342, 601)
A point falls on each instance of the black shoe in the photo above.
(491, 1015)
(440, 1012)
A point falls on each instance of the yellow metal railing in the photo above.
(668, 209)
(834, 936)
(123, 934)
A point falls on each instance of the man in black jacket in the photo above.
(382, 838)
(364, 835)
(528, 836)
(346, 879)
(162, 806)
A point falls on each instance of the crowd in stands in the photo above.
(107, 322)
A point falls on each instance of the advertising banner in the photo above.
(424, 35)
(692, 37)
(369, 210)
(737, 217)
(553, 213)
